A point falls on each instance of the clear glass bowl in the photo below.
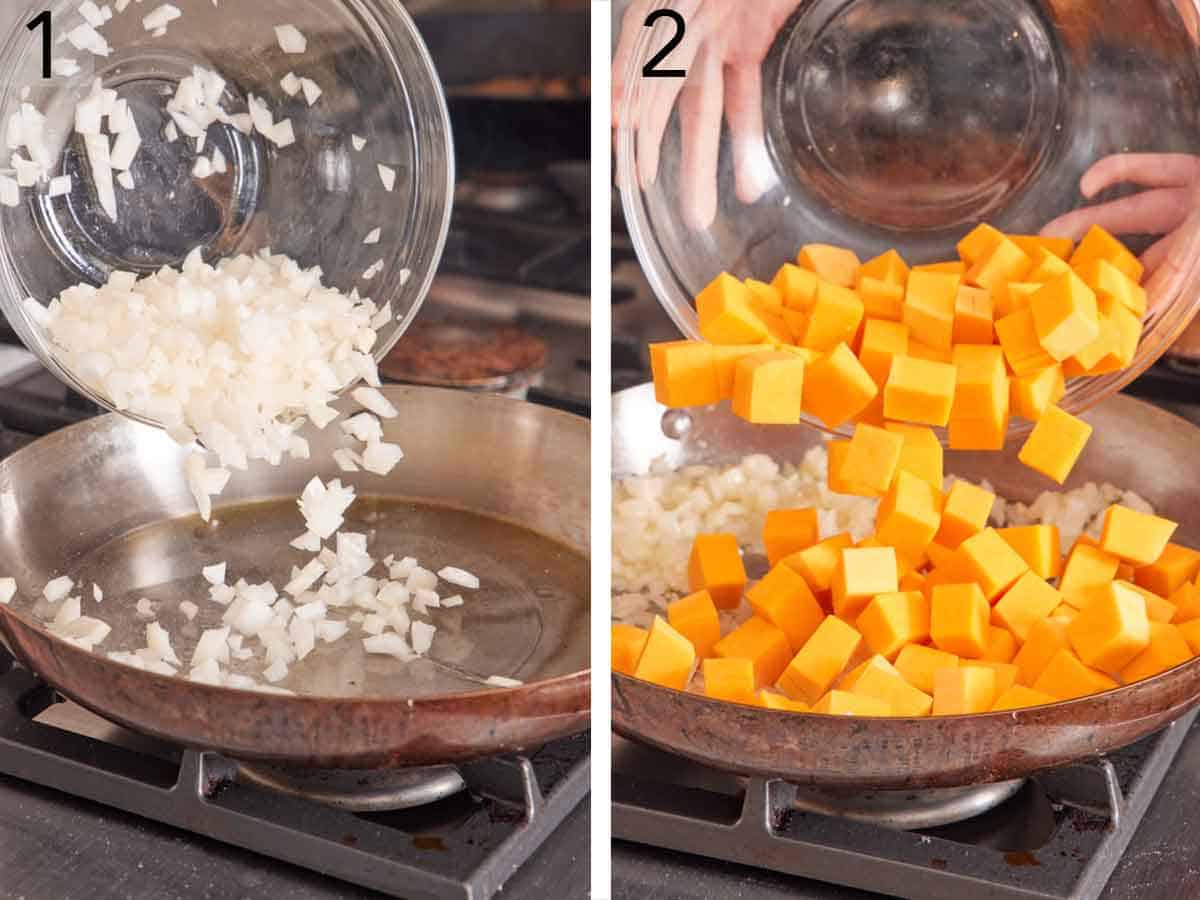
(901, 123)
(315, 200)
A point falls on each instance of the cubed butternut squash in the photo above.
(1046, 637)
(1004, 262)
(1036, 392)
(1055, 444)
(788, 531)
(1039, 545)
(820, 661)
(716, 566)
(889, 687)
(909, 515)
(958, 621)
(628, 642)
(833, 319)
(837, 387)
(1027, 602)
(929, 303)
(1018, 338)
(964, 513)
(888, 267)
(882, 342)
(841, 703)
(1112, 286)
(685, 374)
(1167, 649)
(836, 265)
(725, 359)
(1060, 247)
(764, 644)
(1066, 677)
(668, 659)
(882, 300)
(1021, 697)
(1135, 537)
(891, 620)
(990, 562)
(767, 388)
(726, 316)
(771, 700)
(1112, 629)
(1099, 244)
(785, 600)
(1006, 673)
(695, 617)
(861, 573)
(731, 680)
(1047, 266)
(919, 391)
(1087, 569)
(1173, 568)
(963, 690)
(796, 287)
(1001, 645)
(1065, 316)
(978, 242)
(922, 453)
(872, 458)
(817, 563)
(918, 665)
(974, 316)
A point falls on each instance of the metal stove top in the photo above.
(519, 826)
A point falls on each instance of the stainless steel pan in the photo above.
(492, 485)
(1134, 446)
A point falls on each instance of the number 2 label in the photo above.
(651, 70)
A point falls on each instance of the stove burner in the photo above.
(1059, 837)
(358, 791)
(908, 810)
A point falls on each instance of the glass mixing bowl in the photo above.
(315, 200)
(899, 123)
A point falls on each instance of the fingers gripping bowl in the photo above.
(843, 128)
(1137, 447)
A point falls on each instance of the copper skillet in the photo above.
(1134, 446)
(106, 501)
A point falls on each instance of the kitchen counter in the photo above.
(55, 847)
(1162, 861)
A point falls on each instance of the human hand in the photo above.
(722, 51)
(1169, 206)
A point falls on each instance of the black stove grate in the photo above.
(462, 848)
(1092, 809)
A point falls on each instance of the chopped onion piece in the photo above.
(363, 427)
(202, 167)
(290, 39)
(358, 142)
(345, 459)
(159, 642)
(64, 67)
(208, 672)
(125, 180)
(213, 644)
(373, 238)
(305, 578)
(60, 186)
(8, 590)
(372, 270)
(290, 84)
(219, 163)
(171, 132)
(10, 191)
(161, 17)
(276, 672)
(58, 588)
(91, 14)
(451, 602)
(459, 577)
(312, 91)
(371, 399)
(214, 574)
(68, 611)
(97, 594)
(144, 608)
(422, 637)
(283, 134)
(381, 458)
(388, 645)
(329, 631)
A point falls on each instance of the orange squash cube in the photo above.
(921, 454)
(837, 387)
(872, 458)
(817, 563)
(913, 581)
(767, 294)
(949, 266)
(785, 600)
(892, 620)
(1158, 609)
(918, 665)
(1006, 673)
(1018, 338)
(1191, 633)
(833, 319)
(716, 566)
(1065, 611)
(862, 573)
(767, 388)
(838, 480)
(764, 644)
(919, 391)
(628, 642)
(1112, 286)
(1055, 444)
(987, 431)
(1099, 244)
(1173, 568)
(731, 680)
(796, 287)
(684, 374)
(929, 303)
(1186, 600)
(1047, 266)
(771, 700)
(909, 515)
(1103, 353)
(958, 621)
(1167, 649)
(873, 661)
(1065, 316)
(978, 242)
(1031, 243)
(725, 313)
(820, 661)
(1112, 629)
(1001, 645)
(1039, 545)
(1066, 677)
(889, 687)
(1036, 392)
(1003, 263)
(695, 617)
(1136, 537)
(1013, 296)
(836, 265)
(980, 380)
(1088, 568)
(990, 562)
(918, 350)
(1021, 697)
(841, 703)
(974, 316)
(882, 342)
(725, 359)
(882, 300)
(1028, 601)
(779, 332)
(963, 690)
(668, 658)
(788, 531)
(964, 513)
(888, 267)
(1046, 637)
